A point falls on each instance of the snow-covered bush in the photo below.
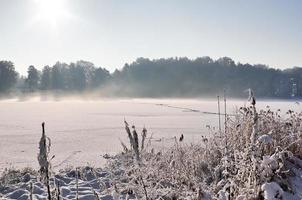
(256, 158)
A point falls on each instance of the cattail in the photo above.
(43, 160)
(43, 155)
(135, 143)
(129, 133)
(144, 135)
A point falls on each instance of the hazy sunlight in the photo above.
(51, 11)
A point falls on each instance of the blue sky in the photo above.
(111, 33)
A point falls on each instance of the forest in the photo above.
(165, 77)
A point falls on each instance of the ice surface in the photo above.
(82, 130)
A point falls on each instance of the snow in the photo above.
(90, 182)
(272, 191)
(265, 139)
(83, 130)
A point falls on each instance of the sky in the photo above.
(112, 33)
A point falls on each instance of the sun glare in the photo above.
(51, 11)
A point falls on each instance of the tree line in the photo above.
(171, 77)
(73, 77)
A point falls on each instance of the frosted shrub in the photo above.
(254, 159)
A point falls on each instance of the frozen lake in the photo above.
(82, 130)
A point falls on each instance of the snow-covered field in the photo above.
(82, 131)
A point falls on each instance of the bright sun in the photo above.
(51, 11)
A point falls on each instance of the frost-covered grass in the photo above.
(258, 156)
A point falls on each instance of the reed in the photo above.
(43, 158)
